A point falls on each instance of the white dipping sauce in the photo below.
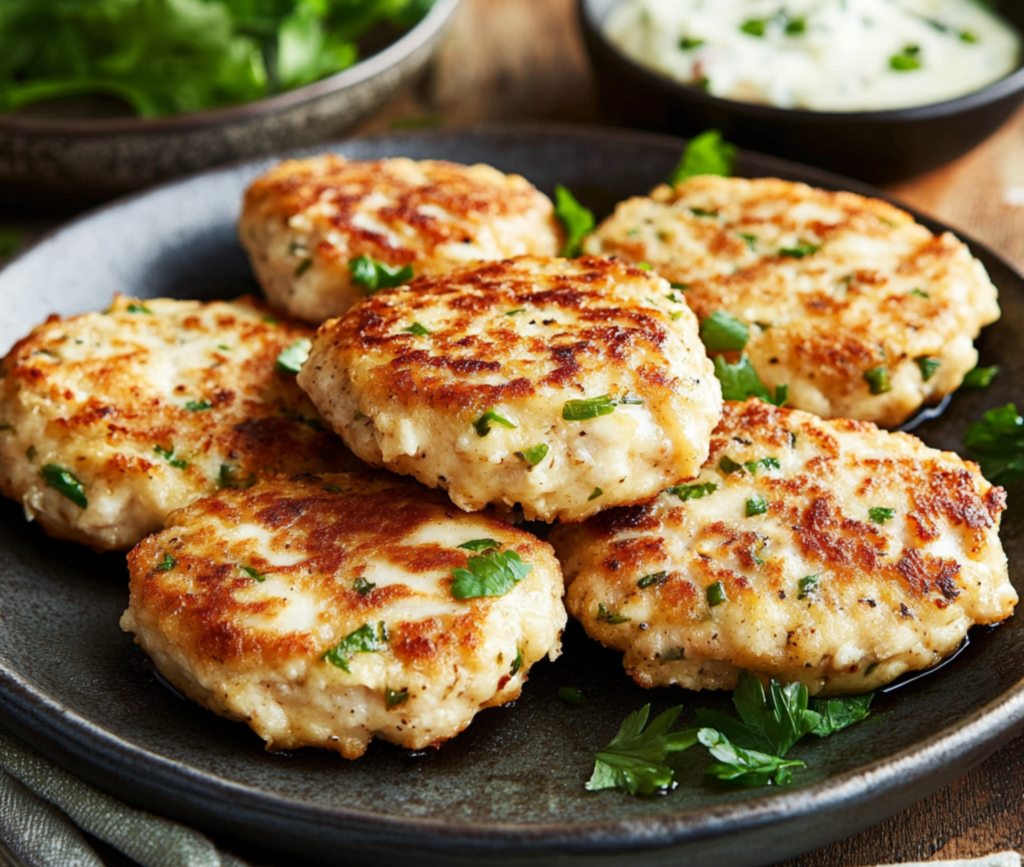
(823, 55)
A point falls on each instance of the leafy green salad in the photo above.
(169, 56)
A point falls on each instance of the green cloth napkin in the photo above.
(44, 809)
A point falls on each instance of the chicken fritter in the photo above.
(826, 552)
(305, 222)
(564, 386)
(326, 610)
(861, 311)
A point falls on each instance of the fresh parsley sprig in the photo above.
(705, 154)
(635, 760)
(723, 332)
(740, 381)
(997, 444)
(577, 221)
(490, 573)
(368, 638)
(374, 276)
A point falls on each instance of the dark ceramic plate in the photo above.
(877, 146)
(511, 787)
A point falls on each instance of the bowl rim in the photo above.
(417, 37)
(1009, 85)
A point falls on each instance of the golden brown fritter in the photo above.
(323, 610)
(825, 552)
(862, 312)
(109, 421)
(565, 386)
(305, 221)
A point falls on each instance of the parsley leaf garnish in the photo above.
(928, 365)
(705, 154)
(634, 761)
(715, 594)
(139, 308)
(800, 251)
(292, 358)
(362, 586)
(489, 418)
(64, 482)
(479, 545)
(745, 767)
(577, 221)
(807, 586)
(980, 377)
(167, 564)
(606, 616)
(740, 381)
(907, 60)
(878, 515)
(392, 698)
(997, 444)
(754, 27)
(374, 275)
(840, 712)
(723, 332)
(534, 455)
(255, 574)
(368, 638)
(198, 405)
(493, 573)
(417, 329)
(228, 478)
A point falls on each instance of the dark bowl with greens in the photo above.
(875, 146)
(100, 97)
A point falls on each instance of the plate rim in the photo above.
(50, 726)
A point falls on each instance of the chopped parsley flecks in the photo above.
(807, 586)
(64, 482)
(756, 505)
(606, 616)
(879, 515)
(653, 578)
(296, 355)
(167, 564)
(368, 638)
(491, 573)
(723, 332)
(139, 308)
(198, 405)
(168, 455)
(763, 464)
(255, 574)
(392, 698)
(907, 60)
(595, 407)
(928, 365)
(594, 494)
(479, 545)
(492, 417)
(362, 586)
(687, 43)
(716, 594)
(919, 293)
(878, 380)
(754, 27)
(800, 251)
(728, 466)
(303, 267)
(740, 381)
(577, 221)
(417, 329)
(693, 492)
(571, 695)
(534, 455)
(517, 663)
(228, 478)
(374, 276)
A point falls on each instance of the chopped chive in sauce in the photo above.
(492, 417)
(64, 482)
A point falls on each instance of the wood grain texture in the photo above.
(523, 60)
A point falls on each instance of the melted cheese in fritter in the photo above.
(150, 406)
(783, 568)
(465, 382)
(241, 596)
(305, 220)
(832, 286)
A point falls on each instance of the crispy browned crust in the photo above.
(342, 185)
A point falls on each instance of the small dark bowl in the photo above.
(43, 157)
(876, 146)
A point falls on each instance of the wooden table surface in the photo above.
(523, 60)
